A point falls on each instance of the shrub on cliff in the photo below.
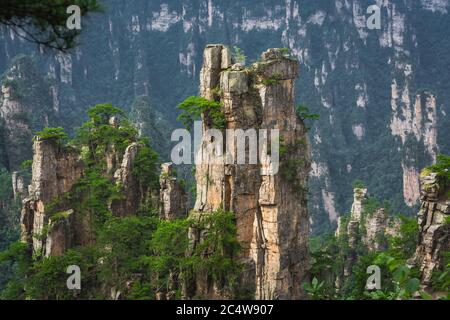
(193, 107)
(56, 135)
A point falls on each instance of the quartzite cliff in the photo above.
(270, 209)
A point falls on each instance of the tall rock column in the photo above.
(270, 207)
(173, 198)
(281, 226)
(434, 230)
(54, 172)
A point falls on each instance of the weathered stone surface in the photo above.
(55, 170)
(378, 226)
(131, 190)
(368, 228)
(271, 212)
(434, 231)
(59, 237)
(18, 184)
(359, 195)
(234, 81)
(173, 198)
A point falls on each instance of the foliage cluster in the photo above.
(194, 107)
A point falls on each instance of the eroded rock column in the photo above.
(434, 231)
(270, 207)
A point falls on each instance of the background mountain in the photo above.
(383, 95)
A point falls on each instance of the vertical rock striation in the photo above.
(434, 229)
(173, 198)
(54, 172)
(270, 209)
(49, 221)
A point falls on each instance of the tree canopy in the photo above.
(44, 21)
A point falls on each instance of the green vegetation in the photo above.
(293, 162)
(286, 52)
(193, 107)
(56, 135)
(107, 126)
(238, 55)
(331, 254)
(358, 184)
(273, 79)
(442, 167)
(304, 113)
(139, 254)
(25, 165)
(44, 22)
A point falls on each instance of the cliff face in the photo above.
(362, 113)
(54, 172)
(50, 224)
(134, 194)
(173, 198)
(25, 106)
(434, 229)
(270, 209)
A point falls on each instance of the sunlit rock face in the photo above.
(270, 209)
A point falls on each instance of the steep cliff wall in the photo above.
(51, 220)
(134, 193)
(54, 172)
(172, 196)
(434, 229)
(362, 82)
(270, 209)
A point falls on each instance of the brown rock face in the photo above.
(271, 212)
(433, 230)
(55, 170)
(173, 198)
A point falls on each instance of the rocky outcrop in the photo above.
(52, 220)
(371, 228)
(55, 170)
(434, 229)
(270, 209)
(364, 229)
(134, 193)
(18, 185)
(378, 227)
(173, 198)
